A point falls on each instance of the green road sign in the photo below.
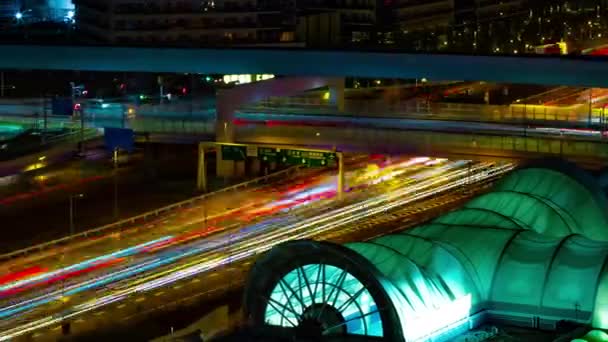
(234, 152)
(273, 154)
(269, 154)
(310, 158)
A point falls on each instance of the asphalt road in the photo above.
(187, 250)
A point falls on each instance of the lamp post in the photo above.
(115, 178)
(590, 107)
(72, 198)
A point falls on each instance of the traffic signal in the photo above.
(184, 90)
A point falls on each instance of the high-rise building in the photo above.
(418, 15)
(496, 9)
(415, 15)
(359, 20)
(185, 22)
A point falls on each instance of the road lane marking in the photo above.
(121, 306)
(140, 299)
(159, 293)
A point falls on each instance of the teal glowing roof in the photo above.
(533, 250)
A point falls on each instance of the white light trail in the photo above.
(245, 246)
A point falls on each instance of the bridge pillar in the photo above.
(336, 93)
(224, 133)
(229, 101)
(255, 166)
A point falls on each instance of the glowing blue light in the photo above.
(19, 15)
(70, 14)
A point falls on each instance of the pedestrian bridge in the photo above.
(531, 252)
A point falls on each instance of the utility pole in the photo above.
(125, 111)
(45, 124)
(72, 198)
(81, 131)
(590, 106)
(192, 95)
(340, 175)
(159, 80)
(71, 215)
(2, 83)
(201, 179)
(81, 113)
(115, 176)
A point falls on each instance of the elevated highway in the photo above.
(451, 131)
(473, 143)
(548, 70)
(99, 269)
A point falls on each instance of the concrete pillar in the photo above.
(240, 169)
(201, 179)
(340, 186)
(336, 93)
(224, 133)
(224, 168)
(255, 166)
(228, 101)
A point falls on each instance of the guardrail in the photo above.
(72, 136)
(118, 225)
(520, 114)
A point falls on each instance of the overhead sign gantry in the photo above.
(272, 153)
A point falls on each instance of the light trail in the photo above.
(247, 244)
(44, 276)
(148, 247)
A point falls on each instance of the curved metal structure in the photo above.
(534, 251)
(320, 289)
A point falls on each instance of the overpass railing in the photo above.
(37, 121)
(72, 136)
(185, 126)
(494, 145)
(579, 114)
(119, 226)
(20, 149)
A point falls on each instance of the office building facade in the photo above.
(192, 23)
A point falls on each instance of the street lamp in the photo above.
(19, 15)
(72, 198)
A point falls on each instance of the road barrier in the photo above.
(119, 225)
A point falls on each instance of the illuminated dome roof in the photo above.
(533, 250)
